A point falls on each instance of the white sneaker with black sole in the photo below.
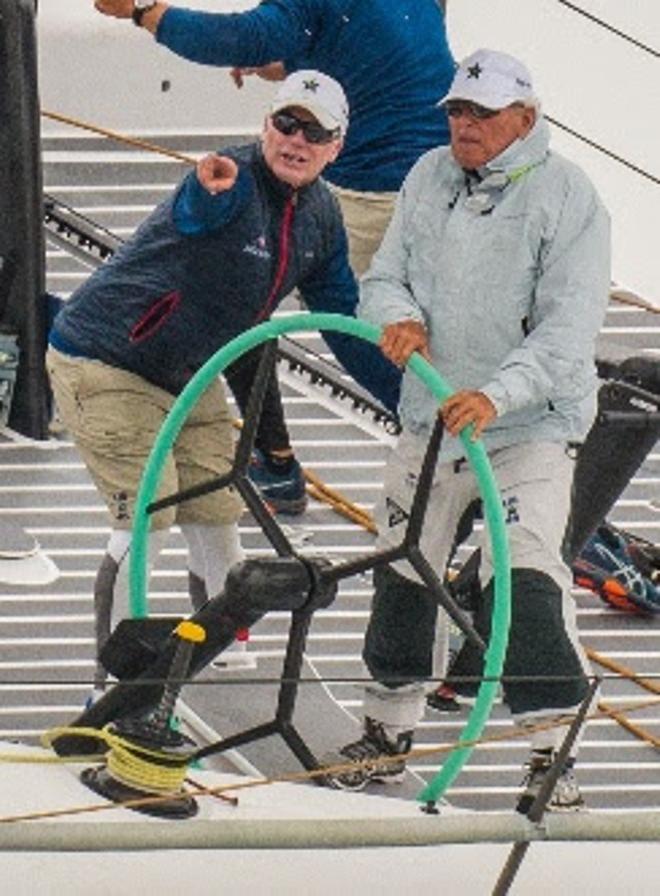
(376, 758)
(566, 796)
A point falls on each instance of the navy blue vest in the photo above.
(166, 302)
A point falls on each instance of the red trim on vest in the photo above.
(155, 316)
(283, 261)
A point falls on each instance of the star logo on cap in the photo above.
(311, 85)
(474, 70)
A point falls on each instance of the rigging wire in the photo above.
(608, 27)
(600, 148)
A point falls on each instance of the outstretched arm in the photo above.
(210, 196)
(250, 39)
(123, 9)
(216, 173)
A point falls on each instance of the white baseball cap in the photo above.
(491, 79)
(319, 94)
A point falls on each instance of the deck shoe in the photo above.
(566, 796)
(443, 699)
(373, 755)
(282, 486)
(622, 570)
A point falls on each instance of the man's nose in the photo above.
(463, 123)
(298, 137)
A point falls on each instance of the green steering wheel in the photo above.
(476, 454)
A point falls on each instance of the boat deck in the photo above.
(46, 634)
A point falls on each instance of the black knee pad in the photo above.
(539, 647)
(398, 647)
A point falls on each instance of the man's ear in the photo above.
(529, 117)
(336, 147)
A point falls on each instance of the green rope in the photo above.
(477, 457)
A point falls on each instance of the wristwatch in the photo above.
(139, 9)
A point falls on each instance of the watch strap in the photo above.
(139, 11)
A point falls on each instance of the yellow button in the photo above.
(190, 631)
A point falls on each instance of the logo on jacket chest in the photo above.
(258, 248)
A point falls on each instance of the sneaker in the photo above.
(620, 569)
(443, 699)
(373, 756)
(595, 568)
(284, 493)
(566, 796)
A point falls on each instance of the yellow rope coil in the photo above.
(136, 766)
(165, 776)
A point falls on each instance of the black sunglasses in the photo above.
(313, 132)
(456, 108)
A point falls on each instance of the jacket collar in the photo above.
(525, 153)
(276, 187)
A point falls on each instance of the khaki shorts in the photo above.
(114, 417)
(366, 216)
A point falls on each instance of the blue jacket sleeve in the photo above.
(333, 289)
(196, 211)
(274, 30)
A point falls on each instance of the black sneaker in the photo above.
(284, 492)
(373, 756)
(443, 699)
(566, 796)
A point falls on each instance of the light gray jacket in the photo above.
(512, 291)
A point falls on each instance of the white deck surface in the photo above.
(262, 845)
